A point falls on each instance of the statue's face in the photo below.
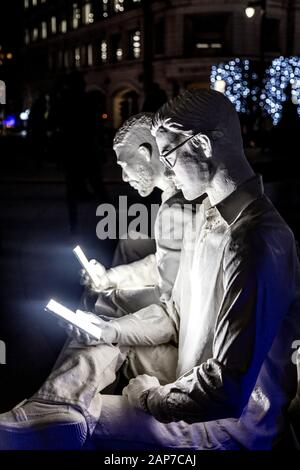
(137, 170)
(190, 169)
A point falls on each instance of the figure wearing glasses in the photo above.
(135, 265)
(237, 293)
(234, 312)
(137, 281)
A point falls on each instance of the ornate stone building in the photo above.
(123, 45)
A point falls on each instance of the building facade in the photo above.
(122, 46)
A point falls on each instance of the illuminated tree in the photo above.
(238, 82)
(282, 72)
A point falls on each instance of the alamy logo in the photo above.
(2, 352)
(133, 221)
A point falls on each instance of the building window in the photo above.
(119, 54)
(44, 30)
(103, 51)
(66, 59)
(118, 6)
(34, 3)
(53, 25)
(63, 26)
(35, 34)
(77, 57)
(117, 50)
(52, 61)
(76, 16)
(26, 3)
(43, 1)
(105, 8)
(271, 35)
(206, 35)
(83, 56)
(159, 37)
(135, 44)
(60, 59)
(90, 55)
(27, 36)
(88, 15)
(2, 92)
(209, 45)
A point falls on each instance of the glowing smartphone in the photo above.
(86, 265)
(83, 324)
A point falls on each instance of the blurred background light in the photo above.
(233, 78)
(250, 12)
(282, 72)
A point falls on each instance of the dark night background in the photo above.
(37, 233)
(51, 186)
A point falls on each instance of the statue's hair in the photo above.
(194, 111)
(141, 120)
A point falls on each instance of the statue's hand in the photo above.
(103, 280)
(109, 332)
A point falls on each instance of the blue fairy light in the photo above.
(236, 75)
(282, 72)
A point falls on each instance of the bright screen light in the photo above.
(86, 265)
(84, 324)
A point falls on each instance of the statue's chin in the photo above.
(145, 192)
(190, 195)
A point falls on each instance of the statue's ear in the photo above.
(201, 140)
(145, 150)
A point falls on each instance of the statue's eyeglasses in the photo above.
(171, 162)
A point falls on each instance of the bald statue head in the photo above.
(198, 135)
(138, 155)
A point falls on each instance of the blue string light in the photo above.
(282, 72)
(237, 75)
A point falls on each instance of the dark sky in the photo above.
(11, 23)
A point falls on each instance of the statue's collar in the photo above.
(231, 207)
